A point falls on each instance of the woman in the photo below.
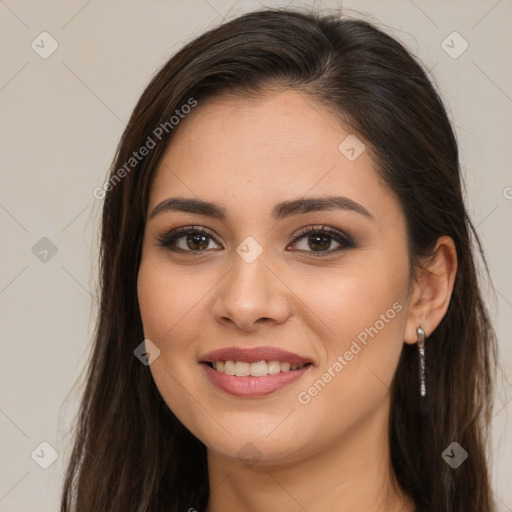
(290, 316)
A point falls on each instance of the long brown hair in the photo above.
(130, 452)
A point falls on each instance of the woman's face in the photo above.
(336, 300)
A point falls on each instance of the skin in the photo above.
(247, 155)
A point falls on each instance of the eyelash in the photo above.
(346, 242)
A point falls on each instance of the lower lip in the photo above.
(253, 386)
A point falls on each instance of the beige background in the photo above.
(61, 119)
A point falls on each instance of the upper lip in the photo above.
(253, 355)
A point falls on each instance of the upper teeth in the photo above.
(258, 369)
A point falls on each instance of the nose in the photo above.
(251, 295)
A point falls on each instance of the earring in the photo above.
(421, 347)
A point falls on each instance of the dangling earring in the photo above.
(421, 346)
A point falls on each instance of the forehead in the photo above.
(250, 154)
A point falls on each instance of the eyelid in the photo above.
(320, 228)
(165, 238)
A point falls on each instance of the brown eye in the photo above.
(319, 240)
(187, 240)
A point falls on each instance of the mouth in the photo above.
(250, 386)
(252, 372)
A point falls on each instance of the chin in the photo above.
(257, 446)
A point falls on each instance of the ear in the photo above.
(432, 290)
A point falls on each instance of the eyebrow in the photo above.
(280, 210)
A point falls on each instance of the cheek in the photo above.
(363, 313)
(349, 300)
(168, 312)
(167, 297)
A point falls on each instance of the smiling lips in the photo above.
(252, 372)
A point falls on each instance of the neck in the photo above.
(353, 473)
